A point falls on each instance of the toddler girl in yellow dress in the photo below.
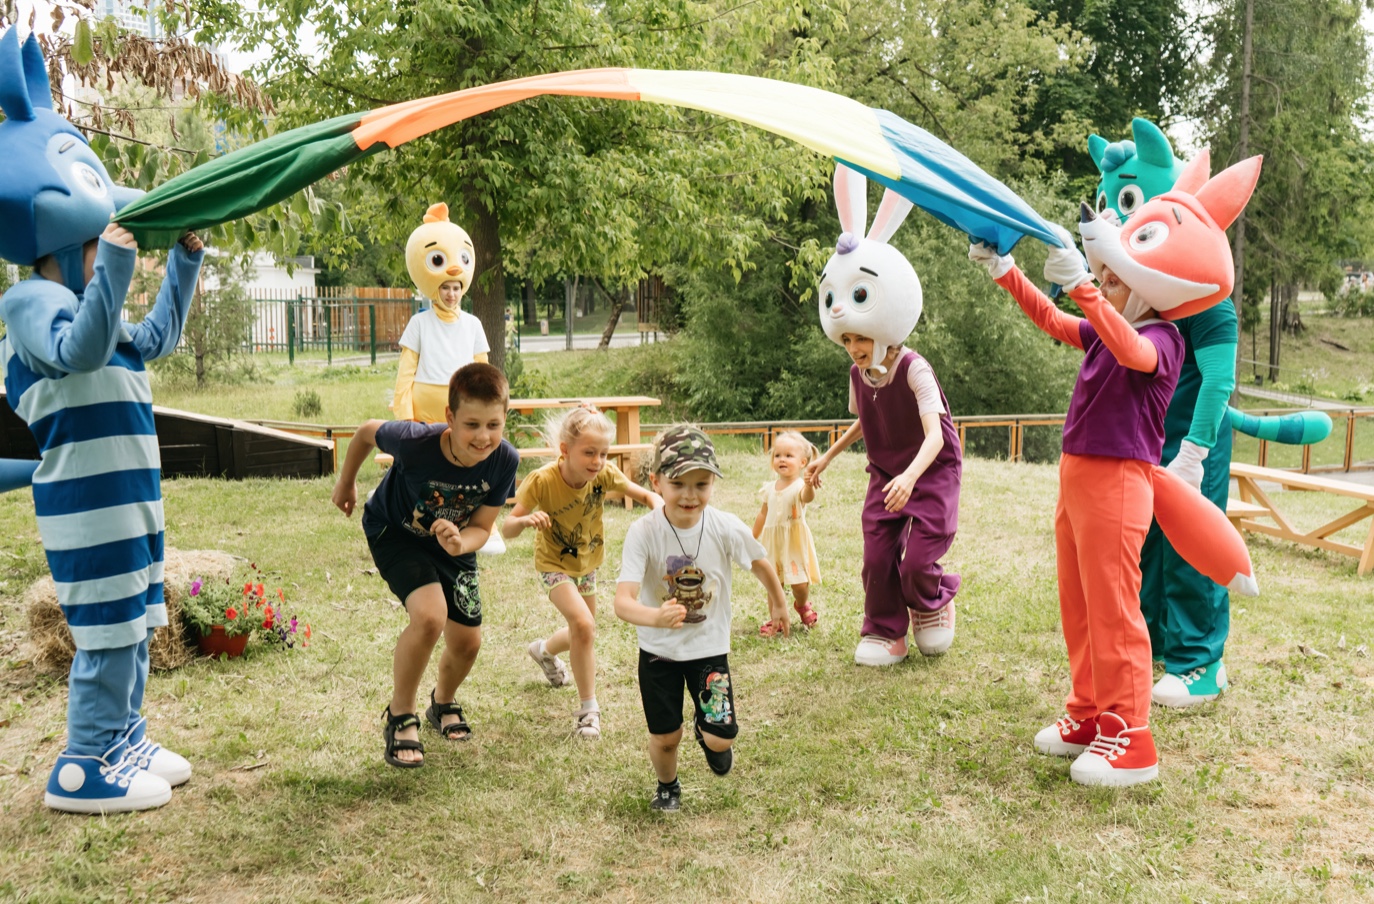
(781, 523)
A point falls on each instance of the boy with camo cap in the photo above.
(674, 586)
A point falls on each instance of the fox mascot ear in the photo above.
(1225, 195)
(1195, 174)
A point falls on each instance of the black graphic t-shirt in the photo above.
(422, 485)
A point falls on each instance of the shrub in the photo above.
(307, 403)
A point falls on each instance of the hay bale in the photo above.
(52, 641)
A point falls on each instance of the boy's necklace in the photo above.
(677, 537)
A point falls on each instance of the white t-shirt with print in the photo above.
(443, 347)
(651, 553)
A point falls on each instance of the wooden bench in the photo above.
(1248, 478)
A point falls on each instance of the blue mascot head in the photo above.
(55, 195)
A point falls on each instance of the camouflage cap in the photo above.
(682, 448)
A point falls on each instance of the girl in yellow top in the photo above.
(563, 501)
(781, 524)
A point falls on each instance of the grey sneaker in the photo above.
(554, 670)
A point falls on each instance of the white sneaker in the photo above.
(494, 546)
(554, 671)
(154, 758)
(1200, 685)
(879, 651)
(933, 631)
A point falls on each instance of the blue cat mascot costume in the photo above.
(74, 372)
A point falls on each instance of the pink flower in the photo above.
(195, 587)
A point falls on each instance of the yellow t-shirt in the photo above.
(573, 543)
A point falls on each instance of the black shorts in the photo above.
(708, 681)
(407, 565)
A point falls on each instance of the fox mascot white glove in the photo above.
(997, 265)
(1187, 464)
(1065, 266)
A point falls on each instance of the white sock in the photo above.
(589, 705)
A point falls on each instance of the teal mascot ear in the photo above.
(1134, 171)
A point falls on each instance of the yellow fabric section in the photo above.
(429, 402)
(401, 405)
(574, 543)
(825, 122)
(480, 358)
(447, 315)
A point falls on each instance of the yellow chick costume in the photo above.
(443, 338)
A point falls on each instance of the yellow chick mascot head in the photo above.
(438, 252)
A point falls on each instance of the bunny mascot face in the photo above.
(867, 287)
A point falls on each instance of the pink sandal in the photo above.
(807, 614)
(767, 630)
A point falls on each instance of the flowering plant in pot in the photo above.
(227, 612)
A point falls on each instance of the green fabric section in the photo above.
(243, 182)
(1301, 428)
(1199, 403)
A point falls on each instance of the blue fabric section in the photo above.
(83, 494)
(112, 612)
(951, 188)
(87, 422)
(64, 333)
(16, 473)
(100, 692)
(158, 333)
(105, 560)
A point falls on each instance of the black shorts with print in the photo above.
(708, 681)
(407, 564)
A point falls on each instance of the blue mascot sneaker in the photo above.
(1196, 686)
(111, 783)
(155, 758)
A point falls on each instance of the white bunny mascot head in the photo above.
(868, 288)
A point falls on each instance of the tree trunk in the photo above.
(1292, 316)
(569, 300)
(1242, 152)
(531, 303)
(617, 306)
(1275, 331)
(489, 287)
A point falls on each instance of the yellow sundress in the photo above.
(785, 534)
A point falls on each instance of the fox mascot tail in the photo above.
(1201, 534)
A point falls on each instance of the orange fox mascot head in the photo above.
(1173, 252)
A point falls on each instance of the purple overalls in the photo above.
(901, 549)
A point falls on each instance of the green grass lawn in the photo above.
(917, 783)
(1311, 363)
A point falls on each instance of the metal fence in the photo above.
(333, 320)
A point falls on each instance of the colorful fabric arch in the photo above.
(882, 146)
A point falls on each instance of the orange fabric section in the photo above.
(399, 123)
(1099, 527)
(1198, 530)
(1040, 309)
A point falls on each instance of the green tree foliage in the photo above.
(217, 325)
(1309, 90)
(1133, 58)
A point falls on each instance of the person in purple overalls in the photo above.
(870, 300)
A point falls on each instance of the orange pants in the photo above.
(1104, 511)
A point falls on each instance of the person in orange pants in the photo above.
(1171, 261)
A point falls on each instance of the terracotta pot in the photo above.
(215, 643)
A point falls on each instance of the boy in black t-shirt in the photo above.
(432, 511)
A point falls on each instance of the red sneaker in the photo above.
(1066, 737)
(1118, 757)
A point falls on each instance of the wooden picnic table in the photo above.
(1248, 479)
(626, 409)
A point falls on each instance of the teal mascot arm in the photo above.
(1217, 363)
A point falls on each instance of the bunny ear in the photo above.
(14, 89)
(851, 199)
(36, 74)
(1226, 194)
(890, 215)
(1195, 173)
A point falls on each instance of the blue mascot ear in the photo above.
(14, 88)
(1152, 145)
(36, 75)
(1097, 146)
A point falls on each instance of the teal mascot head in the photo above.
(1133, 172)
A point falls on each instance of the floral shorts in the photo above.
(586, 585)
